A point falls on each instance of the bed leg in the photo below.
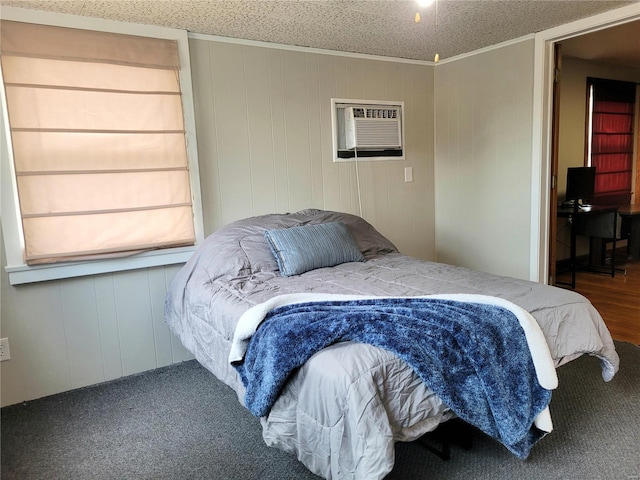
(444, 453)
(450, 432)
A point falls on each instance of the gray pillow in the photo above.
(300, 249)
(258, 253)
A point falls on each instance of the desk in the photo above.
(580, 220)
(631, 225)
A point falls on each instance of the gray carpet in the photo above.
(179, 422)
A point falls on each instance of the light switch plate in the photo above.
(5, 354)
(408, 174)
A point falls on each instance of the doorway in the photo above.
(544, 185)
(571, 136)
(621, 314)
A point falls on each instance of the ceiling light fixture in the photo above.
(422, 4)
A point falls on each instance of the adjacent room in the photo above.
(228, 227)
(589, 86)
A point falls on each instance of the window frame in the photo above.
(13, 238)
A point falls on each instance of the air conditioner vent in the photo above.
(382, 113)
(374, 127)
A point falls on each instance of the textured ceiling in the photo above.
(377, 27)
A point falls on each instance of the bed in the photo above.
(345, 404)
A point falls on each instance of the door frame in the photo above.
(553, 169)
(543, 73)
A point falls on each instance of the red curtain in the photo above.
(612, 140)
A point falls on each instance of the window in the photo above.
(610, 139)
(99, 144)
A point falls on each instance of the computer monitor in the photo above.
(581, 184)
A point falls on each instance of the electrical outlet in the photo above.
(5, 354)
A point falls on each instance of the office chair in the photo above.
(602, 228)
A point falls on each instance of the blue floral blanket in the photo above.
(474, 356)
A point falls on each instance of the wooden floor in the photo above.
(616, 298)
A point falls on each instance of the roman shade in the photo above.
(98, 142)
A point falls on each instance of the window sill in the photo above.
(20, 274)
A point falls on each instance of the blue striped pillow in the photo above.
(300, 249)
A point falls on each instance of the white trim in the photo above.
(294, 48)
(541, 135)
(364, 56)
(497, 46)
(188, 111)
(540, 148)
(87, 23)
(18, 271)
(9, 212)
(20, 274)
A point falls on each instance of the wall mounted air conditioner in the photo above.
(372, 127)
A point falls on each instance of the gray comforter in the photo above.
(342, 412)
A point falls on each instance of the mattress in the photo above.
(343, 410)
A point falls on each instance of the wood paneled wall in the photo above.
(483, 144)
(263, 118)
(67, 334)
(264, 140)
